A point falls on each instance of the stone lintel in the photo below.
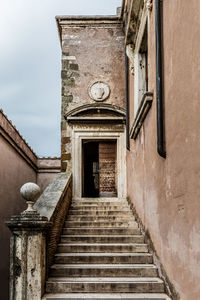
(96, 120)
(96, 106)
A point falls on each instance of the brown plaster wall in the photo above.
(13, 174)
(92, 51)
(18, 165)
(166, 192)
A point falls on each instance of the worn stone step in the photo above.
(101, 224)
(100, 199)
(107, 296)
(102, 207)
(102, 239)
(100, 231)
(103, 258)
(104, 285)
(100, 203)
(102, 247)
(94, 212)
(103, 270)
(98, 218)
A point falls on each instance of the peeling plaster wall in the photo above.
(92, 51)
(166, 193)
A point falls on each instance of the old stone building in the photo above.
(93, 103)
(121, 221)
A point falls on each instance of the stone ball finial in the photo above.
(30, 191)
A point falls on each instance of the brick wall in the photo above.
(107, 168)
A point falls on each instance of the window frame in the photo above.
(143, 99)
(140, 75)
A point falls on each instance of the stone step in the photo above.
(102, 207)
(98, 218)
(108, 270)
(94, 212)
(100, 231)
(104, 285)
(101, 224)
(103, 258)
(102, 239)
(101, 251)
(100, 199)
(108, 296)
(102, 247)
(100, 203)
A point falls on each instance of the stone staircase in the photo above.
(102, 255)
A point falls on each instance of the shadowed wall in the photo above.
(166, 192)
(18, 165)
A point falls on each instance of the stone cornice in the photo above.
(86, 20)
(114, 113)
(101, 106)
(131, 18)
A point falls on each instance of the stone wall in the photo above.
(53, 204)
(19, 164)
(166, 192)
(92, 51)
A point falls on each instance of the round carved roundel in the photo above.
(99, 91)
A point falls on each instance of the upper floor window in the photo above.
(137, 51)
(141, 67)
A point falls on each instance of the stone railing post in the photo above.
(28, 249)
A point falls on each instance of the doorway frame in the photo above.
(80, 133)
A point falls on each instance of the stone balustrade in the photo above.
(35, 234)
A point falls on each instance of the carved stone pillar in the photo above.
(28, 251)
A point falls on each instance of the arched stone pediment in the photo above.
(96, 112)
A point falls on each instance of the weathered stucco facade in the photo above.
(165, 192)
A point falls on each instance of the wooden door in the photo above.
(107, 169)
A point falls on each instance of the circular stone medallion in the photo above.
(99, 91)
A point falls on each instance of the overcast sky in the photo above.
(30, 65)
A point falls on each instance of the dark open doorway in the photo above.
(90, 169)
(99, 169)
